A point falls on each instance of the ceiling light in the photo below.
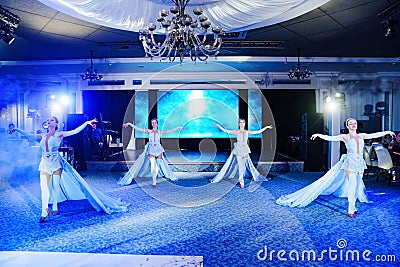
(91, 73)
(184, 35)
(297, 72)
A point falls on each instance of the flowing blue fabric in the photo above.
(141, 168)
(333, 182)
(231, 169)
(74, 187)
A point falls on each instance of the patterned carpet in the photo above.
(225, 224)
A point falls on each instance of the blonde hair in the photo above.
(348, 120)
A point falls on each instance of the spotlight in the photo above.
(332, 106)
(8, 38)
(389, 33)
(389, 26)
(340, 99)
(8, 23)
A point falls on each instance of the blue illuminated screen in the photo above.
(197, 111)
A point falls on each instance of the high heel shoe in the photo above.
(356, 212)
(43, 219)
(55, 212)
(350, 215)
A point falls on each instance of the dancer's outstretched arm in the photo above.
(261, 130)
(31, 135)
(340, 137)
(378, 134)
(77, 130)
(225, 130)
(144, 130)
(172, 130)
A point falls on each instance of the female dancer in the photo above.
(344, 179)
(394, 150)
(153, 151)
(240, 156)
(53, 167)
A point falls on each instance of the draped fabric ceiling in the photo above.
(231, 15)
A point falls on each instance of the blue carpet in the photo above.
(238, 228)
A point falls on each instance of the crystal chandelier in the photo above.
(296, 71)
(184, 35)
(90, 73)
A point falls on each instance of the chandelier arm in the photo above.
(200, 54)
(193, 58)
(168, 55)
(186, 36)
(153, 41)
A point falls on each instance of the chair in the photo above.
(378, 159)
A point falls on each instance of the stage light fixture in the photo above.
(389, 27)
(8, 38)
(8, 23)
(328, 99)
(387, 17)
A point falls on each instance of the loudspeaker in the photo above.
(312, 151)
(80, 141)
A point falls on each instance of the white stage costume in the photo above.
(71, 186)
(232, 167)
(335, 181)
(142, 168)
(154, 145)
(241, 148)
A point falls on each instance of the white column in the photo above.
(334, 129)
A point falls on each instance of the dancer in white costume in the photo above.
(344, 179)
(152, 153)
(239, 158)
(58, 175)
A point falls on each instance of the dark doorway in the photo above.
(287, 107)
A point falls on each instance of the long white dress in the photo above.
(231, 167)
(142, 167)
(72, 185)
(334, 181)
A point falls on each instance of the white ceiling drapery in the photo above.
(231, 15)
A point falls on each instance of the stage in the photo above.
(194, 161)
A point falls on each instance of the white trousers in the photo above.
(56, 190)
(154, 169)
(241, 165)
(45, 194)
(351, 194)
